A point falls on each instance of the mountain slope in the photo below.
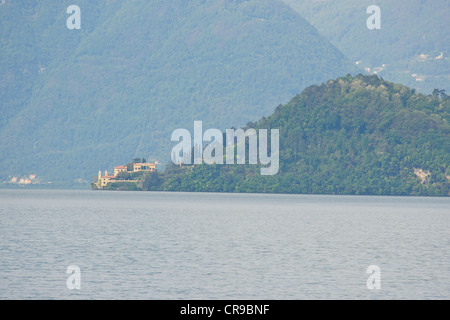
(33, 35)
(352, 135)
(139, 69)
(409, 44)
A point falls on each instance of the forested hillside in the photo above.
(75, 101)
(352, 135)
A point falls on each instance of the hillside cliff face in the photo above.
(352, 135)
(75, 101)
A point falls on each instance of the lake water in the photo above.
(145, 245)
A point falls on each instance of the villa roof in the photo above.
(120, 167)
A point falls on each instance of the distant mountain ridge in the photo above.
(412, 47)
(75, 101)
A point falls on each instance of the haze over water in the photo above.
(145, 245)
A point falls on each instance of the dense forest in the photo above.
(353, 135)
(75, 101)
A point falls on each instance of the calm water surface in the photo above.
(144, 245)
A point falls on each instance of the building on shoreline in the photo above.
(120, 169)
(144, 167)
(25, 180)
(104, 180)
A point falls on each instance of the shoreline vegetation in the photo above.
(357, 135)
